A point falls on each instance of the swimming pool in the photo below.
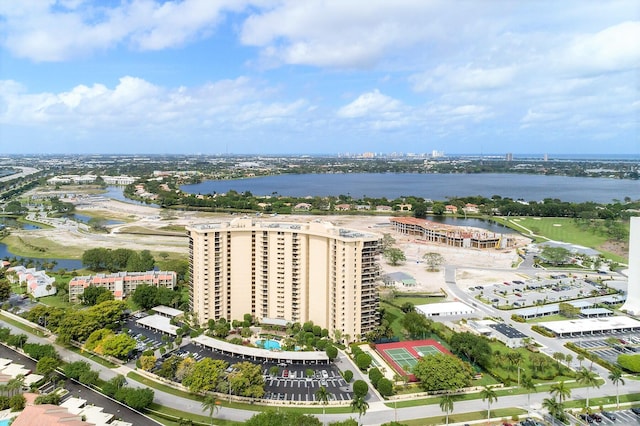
(266, 344)
(5, 422)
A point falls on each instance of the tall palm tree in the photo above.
(446, 404)
(527, 383)
(360, 405)
(589, 378)
(487, 393)
(580, 358)
(211, 404)
(560, 391)
(323, 395)
(554, 407)
(616, 378)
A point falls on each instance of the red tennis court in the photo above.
(402, 356)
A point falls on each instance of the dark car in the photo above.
(609, 415)
(636, 411)
(595, 416)
(586, 418)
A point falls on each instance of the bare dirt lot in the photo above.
(160, 230)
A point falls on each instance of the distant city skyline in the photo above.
(320, 77)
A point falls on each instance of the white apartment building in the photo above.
(119, 180)
(295, 272)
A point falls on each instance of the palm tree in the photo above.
(489, 394)
(589, 378)
(446, 404)
(554, 407)
(323, 395)
(580, 358)
(211, 404)
(560, 391)
(616, 378)
(527, 383)
(359, 404)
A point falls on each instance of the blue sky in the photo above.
(319, 76)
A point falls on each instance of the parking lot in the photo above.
(145, 339)
(622, 417)
(291, 383)
(547, 288)
(627, 343)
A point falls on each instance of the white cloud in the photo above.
(615, 48)
(57, 30)
(371, 103)
(346, 34)
(136, 102)
(445, 78)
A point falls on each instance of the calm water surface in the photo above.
(433, 186)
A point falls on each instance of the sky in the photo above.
(319, 76)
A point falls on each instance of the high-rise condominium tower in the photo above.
(288, 272)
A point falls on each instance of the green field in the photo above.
(562, 229)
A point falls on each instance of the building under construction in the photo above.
(455, 236)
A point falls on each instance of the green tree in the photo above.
(363, 361)
(446, 405)
(206, 375)
(282, 418)
(74, 370)
(47, 367)
(433, 261)
(247, 380)
(118, 346)
(322, 395)
(360, 388)
(5, 290)
(588, 378)
(145, 296)
(555, 255)
(442, 372)
(394, 256)
(416, 324)
(554, 407)
(360, 405)
(475, 348)
(332, 352)
(560, 391)
(616, 378)
(487, 393)
(527, 383)
(210, 404)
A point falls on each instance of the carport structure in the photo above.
(261, 355)
(580, 327)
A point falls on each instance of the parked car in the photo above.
(586, 418)
(597, 417)
(609, 415)
(636, 411)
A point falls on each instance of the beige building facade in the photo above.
(295, 272)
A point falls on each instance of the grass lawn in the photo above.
(161, 413)
(57, 301)
(20, 325)
(40, 247)
(556, 317)
(401, 300)
(92, 357)
(504, 413)
(562, 229)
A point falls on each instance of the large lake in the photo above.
(432, 186)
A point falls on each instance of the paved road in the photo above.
(110, 406)
(377, 414)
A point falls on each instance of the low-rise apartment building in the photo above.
(121, 284)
